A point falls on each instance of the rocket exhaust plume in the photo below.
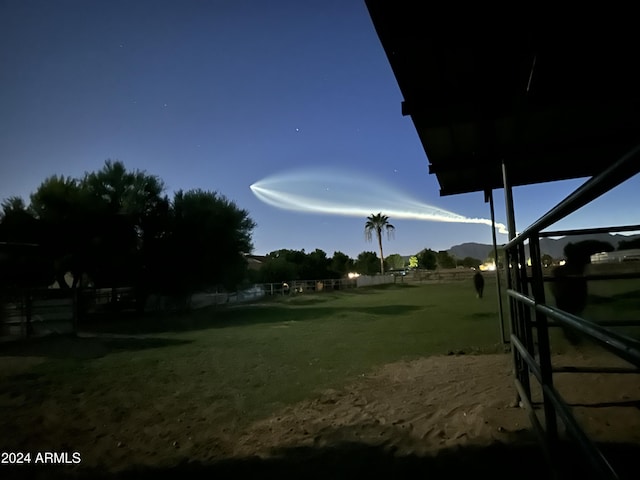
(349, 194)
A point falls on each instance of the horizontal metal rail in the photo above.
(607, 323)
(618, 323)
(595, 456)
(530, 302)
(590, 231)
(606, 276)
(569, 369)
(626, 167)
(623, 346)
(534, 367)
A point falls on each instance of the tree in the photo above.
(130, 245)
(413, 262)
(341, 264)
(208, 238)
(547, 260)
(17, 223)
(427, 259)
(130, 192)
(285, 265)
(22, 260)
(276, 269)
(134, 194)
(470, 262)
(445, 260)
(63, 210)
(12, 205)
(315, 265)
(117, 226)
(377, 223)
(395, 261)
(367, 263)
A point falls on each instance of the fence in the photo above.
(441, 275)
(38, 312)
(531, 317)
(294, 287)
(42, 311)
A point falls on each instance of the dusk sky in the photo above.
(221, 94)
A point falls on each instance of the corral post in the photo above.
(525, 312)
(542, 327)
(489, 195)
(521, 368)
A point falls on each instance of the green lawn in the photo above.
(227, 367)
(256, 358)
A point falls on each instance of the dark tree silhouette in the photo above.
(341, 264)
(427, 259)
(367, 263)
(208, 238)
(116, 227)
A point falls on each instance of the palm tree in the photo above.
(377, 223)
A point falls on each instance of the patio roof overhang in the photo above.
(551, 99)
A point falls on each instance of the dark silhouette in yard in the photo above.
(478, 283)
(569, 287)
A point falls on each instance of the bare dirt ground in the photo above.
(436, 417)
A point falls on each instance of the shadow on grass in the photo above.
(235, 316)
(372, 289)
(309, 300)
(483, 315)
(70, 347)
(356, 460)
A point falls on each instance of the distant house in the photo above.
(632, 255)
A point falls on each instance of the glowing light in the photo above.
(488, 267)
(350, 194)
(353, 275)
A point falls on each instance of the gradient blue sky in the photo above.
(219, 94)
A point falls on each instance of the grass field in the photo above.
(260, 357)
(284, 349)
(231, 366)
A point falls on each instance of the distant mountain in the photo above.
(473, 250)
(551, 246)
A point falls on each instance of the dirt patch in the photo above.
(409, 407)
(389, 420)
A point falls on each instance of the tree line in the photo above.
(285, 265)
(117, 227)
